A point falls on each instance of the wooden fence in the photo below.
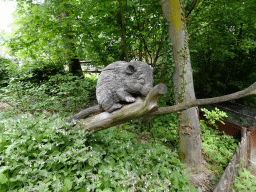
(240, 160)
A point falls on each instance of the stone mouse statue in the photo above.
(120, 80)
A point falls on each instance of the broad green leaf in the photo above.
(3, 178)
(68, 183)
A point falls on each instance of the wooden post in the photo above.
(243, 134)
(249, 149)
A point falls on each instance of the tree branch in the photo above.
(191, 9)
(132, 111)
(198, 102)
(148, 107)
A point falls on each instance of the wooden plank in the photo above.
(243, 153)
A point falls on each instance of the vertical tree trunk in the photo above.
(189, 125)
(123, 28)
(74, 65)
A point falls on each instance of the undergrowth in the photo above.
(244, 182)
(37, 156)
(218, 148)
(61, 93)
(160, 129)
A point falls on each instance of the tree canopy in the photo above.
(222, 45)
(221, 36)
(101, 31)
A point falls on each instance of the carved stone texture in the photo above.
(119, 81)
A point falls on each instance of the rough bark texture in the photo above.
(74, 65)
(189, 125)
(150, 103)
(132, 111)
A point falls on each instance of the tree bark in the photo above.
(189, 126)
(132, 111)
(74, 65)
(148, 107)
(123, 28)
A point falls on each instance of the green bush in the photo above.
(218, 149)
(37, 156)
(38, 72)
(162, 128)
(244, 182)
(61, 93)
(6, 67)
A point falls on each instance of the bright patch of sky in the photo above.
(6, 10)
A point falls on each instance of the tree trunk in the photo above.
(189, 126)
(74, 65)
(123, 28)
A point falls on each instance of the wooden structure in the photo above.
(240, 116)
(233, 129)
(240, 160)
(243, 156)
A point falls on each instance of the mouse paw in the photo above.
(130, 99)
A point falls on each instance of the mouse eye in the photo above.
(130, 69)
(141, 81)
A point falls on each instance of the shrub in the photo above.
(162, 128)
(39, 72)
(245, 181)
(218, 149)
(6, 67)
(61, 93)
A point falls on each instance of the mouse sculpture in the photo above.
(120, 81)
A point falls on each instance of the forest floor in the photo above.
(4, 106)
(201, 178)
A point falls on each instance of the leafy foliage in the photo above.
(163, 73)
(214, 115)
(222, 45)
(134, 30)
(161, 129)
(36, 155)
(6, 67)
(245, 181)
(218, 149)
(38, 72)
(39, 89)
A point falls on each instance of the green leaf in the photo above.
(3, 178)
(34, 8)
(68, 183)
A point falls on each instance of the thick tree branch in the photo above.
(148, 107)
(132, 111)
(198, 102)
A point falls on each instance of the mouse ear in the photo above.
(130, 69)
